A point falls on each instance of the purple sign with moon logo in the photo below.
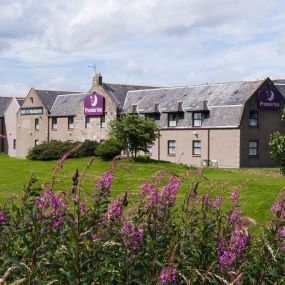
(94, 104)
(268, 99)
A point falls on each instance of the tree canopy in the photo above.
(135, 133)
(277, 147)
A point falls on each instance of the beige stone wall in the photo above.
(95, 132)
(26, 133)
(11, 127)
(269, 121)
(80, 132)
(223, 146)
(62, 133)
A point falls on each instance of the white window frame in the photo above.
(70, 123)
(54, 123)
(87, 122)
(172, 120)
(171, 147)
(197, 119)
(37, 124)
(253, 118)
(253, 148)
(196, 148)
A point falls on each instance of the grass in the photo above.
(259, 188)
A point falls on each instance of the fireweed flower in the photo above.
(168, 275)
(132, 235)
(234, 216)
(75, 198)
(235, 197)
(52, 208)
(104, 184)
(219, 201)
(115, 210)
(3, 218)
(167, 197)
(276, 206)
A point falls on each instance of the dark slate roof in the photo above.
(278, 81)
(280, 84)
(66, 105)
(4, 103)
(225, 101)
(20, 101)
(118, 92)
(48, 97)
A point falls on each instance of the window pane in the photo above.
(252, 144)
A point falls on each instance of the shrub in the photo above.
(108, 149)
(52, 237)
(50, 150)
(55, 149)
(87, 148)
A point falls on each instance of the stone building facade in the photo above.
(227, 125)
(221, 124)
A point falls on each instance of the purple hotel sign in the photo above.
(268, 99)
(94, 104)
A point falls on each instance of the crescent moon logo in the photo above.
(93, 99)
(270, 98)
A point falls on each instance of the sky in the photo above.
(51, 44)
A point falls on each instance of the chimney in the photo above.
(97, 79)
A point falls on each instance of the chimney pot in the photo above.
(97, 79)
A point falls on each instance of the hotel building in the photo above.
(226, 125)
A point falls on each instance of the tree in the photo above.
(277, 147)
(135, 133)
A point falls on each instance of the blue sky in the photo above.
(49, 44)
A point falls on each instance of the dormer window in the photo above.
(172, 120)
(156, 105)
(197, 119)
(134, 111)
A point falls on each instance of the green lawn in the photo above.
(259, 188)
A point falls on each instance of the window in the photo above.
(37, 142)
(197, 119)
(87, 122)
(196, 148)
(14, 144)
(172, 120)
(54, 123)
(149, 148)
(253, 148)
(70, 123)
(153, 116)
(102, 122)
(171, 147)
(253, 119)
(134, 110)
(37, 124)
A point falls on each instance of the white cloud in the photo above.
(159, 42)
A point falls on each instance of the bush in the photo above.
(51, 237)
(55, 149)
(88, 148)
(50, 150)
(108, 149)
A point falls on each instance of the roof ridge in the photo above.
(57, 90)
(199, 85)
(133, 85)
